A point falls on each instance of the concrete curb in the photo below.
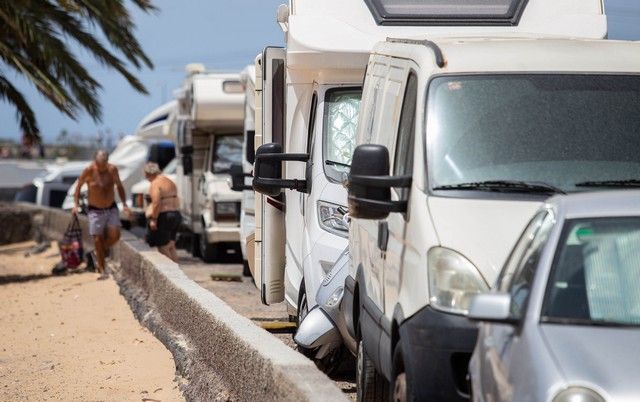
(221, 354)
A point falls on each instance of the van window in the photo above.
(565, 130)
(340, 126)
(277, 101)
(438, 12)
(162, 153)
(227, 152)
(403, 159)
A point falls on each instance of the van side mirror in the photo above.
(370, 185)
(267, 171)
(491, 307)
(238, 178)
(187, 159)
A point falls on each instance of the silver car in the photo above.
(563, 321)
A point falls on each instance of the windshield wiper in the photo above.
(610, 183)
(334, 163)
(587, 322)
(510, 186)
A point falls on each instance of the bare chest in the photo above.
(101, 180)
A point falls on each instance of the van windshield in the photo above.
(555, 133)
(227, 152)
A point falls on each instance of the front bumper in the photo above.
(219, 234)
(437, 348)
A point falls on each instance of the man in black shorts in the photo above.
(163, 213)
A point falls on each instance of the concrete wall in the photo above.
(221, 354)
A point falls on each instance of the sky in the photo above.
(222, 34)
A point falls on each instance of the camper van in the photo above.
(209, 141)
(241, 173)
(460, 139)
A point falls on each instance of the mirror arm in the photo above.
(291, 184)
(282, 157)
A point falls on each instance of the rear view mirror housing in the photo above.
(238, 178)
(491, 307)
(267, 171)
(370, 185)
(187, 159)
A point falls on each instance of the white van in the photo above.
(153, 141)
(460, 140)
(209, 141)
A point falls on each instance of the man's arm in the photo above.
(121, 192)
(76, 195)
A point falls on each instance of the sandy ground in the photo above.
(73, 338)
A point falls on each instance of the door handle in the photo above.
(383, 235)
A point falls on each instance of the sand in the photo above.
(73, 338)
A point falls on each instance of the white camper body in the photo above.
(421, 249)
(210, 124)
(300, 235)
(151, 141)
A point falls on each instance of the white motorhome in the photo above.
(210, 124)
(460, 139)
(153, 141)
(241, 174)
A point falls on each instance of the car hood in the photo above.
(605, 357)
(484, 231)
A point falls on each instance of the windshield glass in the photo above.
(227, 152)
(555, 129)
(341, 108)
(595, 277)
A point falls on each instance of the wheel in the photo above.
(401, 387)
(332, 361)
(195, 245)
(372, 387)
(208, 252)
(246, 271)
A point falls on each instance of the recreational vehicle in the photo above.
(461, 137)
(209, 141)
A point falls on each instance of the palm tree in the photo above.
(34, 37)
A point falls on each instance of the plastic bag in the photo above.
(71, 245)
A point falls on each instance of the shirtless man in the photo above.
(163, 212)
(104, 220)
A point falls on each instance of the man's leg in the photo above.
(98, 241)
(172, 251)
(164, 250)
(113, 235)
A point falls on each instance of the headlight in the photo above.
(226, 211)
(333, 218)
(453, 280)
(335, 298)
(578, 394)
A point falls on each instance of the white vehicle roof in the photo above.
(319, 30)
(73, 168)
(158, 123)
(474, 55)
(212, 99)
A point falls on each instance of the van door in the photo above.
(270, 237)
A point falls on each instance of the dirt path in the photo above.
(73, 338)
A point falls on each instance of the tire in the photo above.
(208, 252)
(246, 271)
(401, 388)
(372, 387)
(195, 245)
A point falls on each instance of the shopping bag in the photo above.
(71, 245)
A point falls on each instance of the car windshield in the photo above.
(227, 152)
(561, 131)
(595, 278)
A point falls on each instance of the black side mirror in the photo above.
(250, 151)
(237, 178)
(267, 171)
(370, 184)
(187, 159)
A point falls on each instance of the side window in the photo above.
(403, 159)
(340, 125)
(519, 287)
(277, 101)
